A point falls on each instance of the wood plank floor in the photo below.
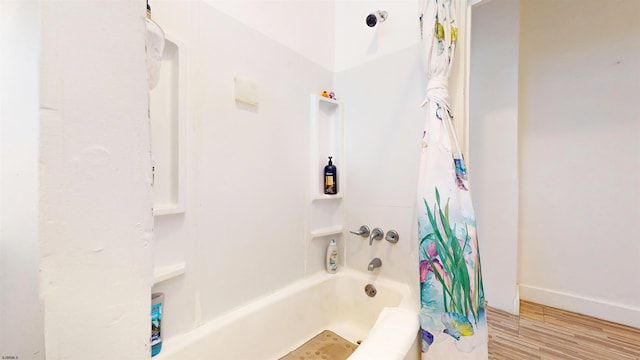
(546, 333)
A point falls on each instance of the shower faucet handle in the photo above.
(363, 231)
(392, 236)
(376, 234)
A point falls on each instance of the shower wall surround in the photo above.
(233, 218)
(383, 160)
(379, 74)
(247, 166)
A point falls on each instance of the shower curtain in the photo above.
(452, 316)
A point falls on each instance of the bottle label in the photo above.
(333, 260)
(329, 184)
(156, 321)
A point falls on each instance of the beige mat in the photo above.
(325, 346)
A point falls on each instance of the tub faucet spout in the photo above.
(375, 263)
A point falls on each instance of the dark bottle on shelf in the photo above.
(330, 178)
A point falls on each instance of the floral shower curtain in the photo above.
(452, 317)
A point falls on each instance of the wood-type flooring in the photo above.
(546, 333)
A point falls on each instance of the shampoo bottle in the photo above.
(332, 257)
(330, 178)
(156, 323)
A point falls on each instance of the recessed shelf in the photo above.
(328, 100)
(332, 230)
(326, 139)
(167, 112)
(167, 209)
(327, 197)
(163, 273)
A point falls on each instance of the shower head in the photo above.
(374, 18)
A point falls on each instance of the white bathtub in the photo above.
(274, 325)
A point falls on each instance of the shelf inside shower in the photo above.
(330, 230)
(327, 197)
(325, 215)
(167, 272)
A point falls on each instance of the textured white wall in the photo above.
(21, 324)
(493, 141)
(580, 156)
(95, 172)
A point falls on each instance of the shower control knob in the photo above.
(392, 236)
(363, 231)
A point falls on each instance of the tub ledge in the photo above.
(392, 336)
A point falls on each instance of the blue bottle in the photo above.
(156, 323)
(330, 178)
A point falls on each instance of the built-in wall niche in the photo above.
(326, 140)
(167, 111)
(325, 220)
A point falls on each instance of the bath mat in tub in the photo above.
(325, 346)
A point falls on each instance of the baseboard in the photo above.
(505, 303)
(618, 313)
(516, 302)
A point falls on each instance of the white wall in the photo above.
(95, 175)
(493, 127)
(21, 324)
(580, 156)
(306, 27)
(357, 44)
(243, 232)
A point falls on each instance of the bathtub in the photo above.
(272, 326)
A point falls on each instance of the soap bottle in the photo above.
(332, 257)
(330, 178)
(157, 300)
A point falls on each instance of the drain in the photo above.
(370, 290)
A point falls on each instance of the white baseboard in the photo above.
(516, 302)
(618, 313)
(504, 303)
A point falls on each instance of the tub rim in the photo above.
(179, 342)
